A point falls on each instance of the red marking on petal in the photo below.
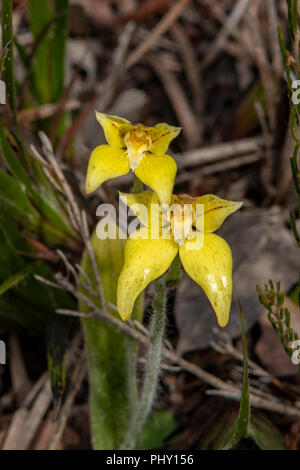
(214, 209)
(162, 135)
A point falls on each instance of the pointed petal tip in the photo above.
(235, 205)
(89, 189)
(124, 316)
(176, 129)
(239, 205)
(123, 196)
(222, 322)
(99, 116)
(125, 309)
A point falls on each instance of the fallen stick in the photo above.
(219, 167)
(222, 151)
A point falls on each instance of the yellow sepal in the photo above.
(144, 261)
(211, 268)
(141, 204)
(114, 128)
(216, 210)
(161, 136)
(158, 172)
(105, 162)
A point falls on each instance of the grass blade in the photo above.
(40, 16)
(14, 201)
(7, 43)
(242, 424)
(58, 327)
(59, 47)
(12, 281)
(265, 434)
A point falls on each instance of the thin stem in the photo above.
(174, 273)
(138, 185)
(152, 369)
(131, 358)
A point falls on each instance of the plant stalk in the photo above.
(152, 368)
(137, 185)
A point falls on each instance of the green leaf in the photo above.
(59, 47)
(265, 434)
(58, 328)
(25, 57)
(25, 303)
(40, 17)
(27, 306)
(16, 278)
(14, 201)
(50, 33)
(242, 423)
(111, 354)
(14, 164)
(7, 42)
(10, 261)
(14, 235)
(43, 196)
(16, 314)
(218, 433)
(160, 425)
(174, 273)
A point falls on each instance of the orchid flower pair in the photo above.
(206, 259)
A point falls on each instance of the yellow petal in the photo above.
(105, 163)
(211, 268)
(158, 172)
(137, 202)
(114, 128)
(215, 211)
(144, 261)
(161, 136)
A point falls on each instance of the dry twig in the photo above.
(179, 101)
(222, 151)
(192, 72)
(165, 23)
(230, 25)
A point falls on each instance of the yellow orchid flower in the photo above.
(207, 258)
(134, 147)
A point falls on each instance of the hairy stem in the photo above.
(152, 368)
